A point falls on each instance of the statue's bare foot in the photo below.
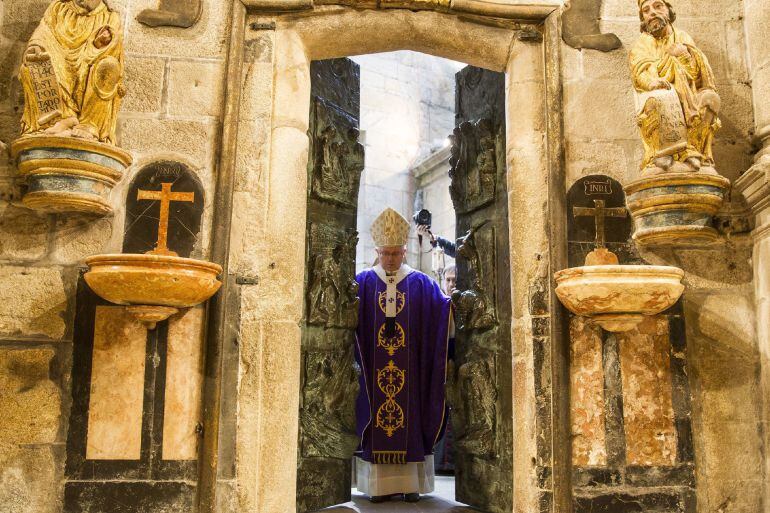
(708, 170)
(83, 132)
(694, 163)
(664, 162)
(63, 127)
(680, 167)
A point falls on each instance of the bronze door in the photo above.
(480, 386)
(329, 382)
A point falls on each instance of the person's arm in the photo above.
(449, 247)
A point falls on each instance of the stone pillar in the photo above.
(754, 185)
(757, 23)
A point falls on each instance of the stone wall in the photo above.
(721, 351)
(172, 111)
(407, 110)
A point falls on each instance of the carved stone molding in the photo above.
(172, 13)
(510, 9)
(754, 185)
(580, 27)
(762, 139)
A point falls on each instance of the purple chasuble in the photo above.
(401, 408)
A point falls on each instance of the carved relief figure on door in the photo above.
(333, 291)
(338, 157)
(328, 417)
(475, 307)
(473, 165)
(473, 397)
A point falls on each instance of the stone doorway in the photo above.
(536, 190)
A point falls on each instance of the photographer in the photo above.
(423, 220)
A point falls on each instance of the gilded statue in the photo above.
(676, 99)
(72, 72)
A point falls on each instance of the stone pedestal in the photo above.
(676, 208)
(66, 174)
(754, 185)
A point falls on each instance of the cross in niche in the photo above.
(165, 196)
(599, 213)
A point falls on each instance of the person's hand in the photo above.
(424, 230)
(35, 53)
(677, 50)
(103, 37)
(659, 83)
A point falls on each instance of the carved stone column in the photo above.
(754, 185)
(757, 21)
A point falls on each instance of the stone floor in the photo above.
(440, 501)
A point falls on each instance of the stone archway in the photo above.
(258, 432)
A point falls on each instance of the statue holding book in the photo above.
(72, 72)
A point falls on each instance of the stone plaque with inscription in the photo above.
(598, 201)
(163, 210)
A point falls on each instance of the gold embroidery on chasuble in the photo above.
(400, 301)
(391, 344)
(390, 415)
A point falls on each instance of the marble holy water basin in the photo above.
(618, 297)
(153, 286)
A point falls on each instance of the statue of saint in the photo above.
(72, 72)
(677, 104)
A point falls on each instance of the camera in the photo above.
(423, 217)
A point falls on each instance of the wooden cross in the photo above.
(165, 196)
(599, 212)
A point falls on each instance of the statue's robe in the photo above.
(690, 76)
(402, 345)
(89, 78)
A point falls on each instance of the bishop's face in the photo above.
(88, 5)
(655, 16)
(391, 257)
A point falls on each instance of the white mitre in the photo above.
(390, 229)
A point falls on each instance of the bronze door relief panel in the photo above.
(481, 386)
(329, 381)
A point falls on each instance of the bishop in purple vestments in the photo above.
(402, 343)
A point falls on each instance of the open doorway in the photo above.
(407, 118)
(408, 131)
